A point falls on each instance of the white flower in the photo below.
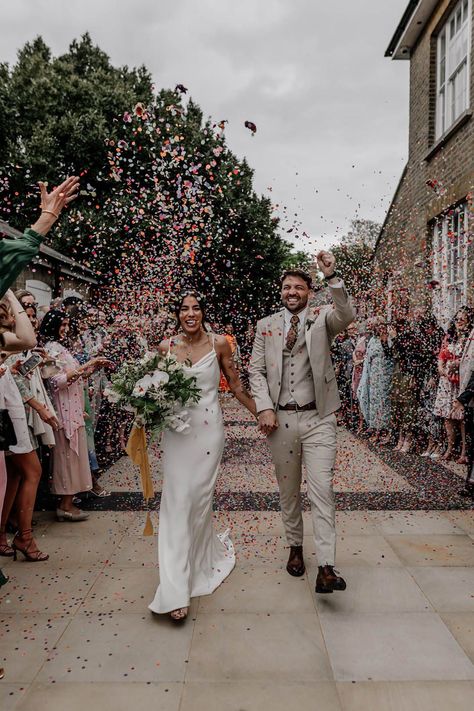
(159, 378)
(112, 396)
(142, 386)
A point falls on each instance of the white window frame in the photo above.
(40, 290)
(450, 261)
(453, 54)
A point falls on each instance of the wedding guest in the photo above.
(405, 343)
(26, 298)
(23, 466)
(71, 470)
(15, 254)
(448, 388)
(431, 426)
(342, 353)
(374, 388)
(465, 400)
(3, 474)
(358, 358)
(229, 335)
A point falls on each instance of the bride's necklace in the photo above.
(189, 346)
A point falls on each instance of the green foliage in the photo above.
(164, 204)
(156, 388)
(354, 257)
(56, 114)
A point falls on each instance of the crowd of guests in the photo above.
(55, 364)
(408, 384)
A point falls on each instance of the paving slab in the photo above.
(262, 647)
(407, 696)
(75, 696)
(251, 696)
(118, 647)
(448, 589)
(393, 646)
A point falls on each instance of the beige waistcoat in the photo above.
(297, 376)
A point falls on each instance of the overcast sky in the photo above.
(331, 110)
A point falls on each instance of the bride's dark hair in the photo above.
(199, 298)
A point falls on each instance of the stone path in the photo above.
(75, 632)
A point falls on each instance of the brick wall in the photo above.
(405, 238)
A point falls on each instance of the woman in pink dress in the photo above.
(71, 470)
(449, 360)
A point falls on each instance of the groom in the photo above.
(294, 386)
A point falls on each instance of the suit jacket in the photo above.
(321, 326)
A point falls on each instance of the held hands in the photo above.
(326, 262)
(267, 422)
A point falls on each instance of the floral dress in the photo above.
(448, 386)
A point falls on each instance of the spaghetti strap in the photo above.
(169, 346)
(213, 336)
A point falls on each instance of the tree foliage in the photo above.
(164, 204)
(354, 257)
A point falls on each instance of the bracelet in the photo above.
(50, 212)
(21, 312)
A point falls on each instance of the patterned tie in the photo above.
(292, 334)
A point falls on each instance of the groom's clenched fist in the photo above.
(267, 422)
(326, 262)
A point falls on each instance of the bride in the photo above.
(193, 560)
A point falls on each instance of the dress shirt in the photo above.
(288, 316)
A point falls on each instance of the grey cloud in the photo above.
(310, 73)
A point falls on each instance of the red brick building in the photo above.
(424, 252)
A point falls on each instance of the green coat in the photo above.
(15, 254)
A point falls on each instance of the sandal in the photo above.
(180, 614)
(33, 555)
(462, 460)
(102, 494)
(6, 551)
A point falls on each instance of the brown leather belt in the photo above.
(294, 407)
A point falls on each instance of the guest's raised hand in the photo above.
(57, 199)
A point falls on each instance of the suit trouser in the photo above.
(306, 438)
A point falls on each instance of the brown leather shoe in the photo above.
(295, 565)
(328, 580)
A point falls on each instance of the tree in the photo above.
(354, 257)
(56, 114)
(164, 204)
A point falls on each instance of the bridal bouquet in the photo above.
(157, 390)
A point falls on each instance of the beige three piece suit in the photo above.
(303, 375)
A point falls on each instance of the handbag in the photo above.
(7, 431)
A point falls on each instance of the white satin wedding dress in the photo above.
(193, 559)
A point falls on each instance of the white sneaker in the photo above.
(425, 454)
(435, 455)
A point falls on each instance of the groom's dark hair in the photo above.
(199, 298)
(297, 273)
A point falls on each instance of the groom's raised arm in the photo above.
(258, 373)
(343, 313)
